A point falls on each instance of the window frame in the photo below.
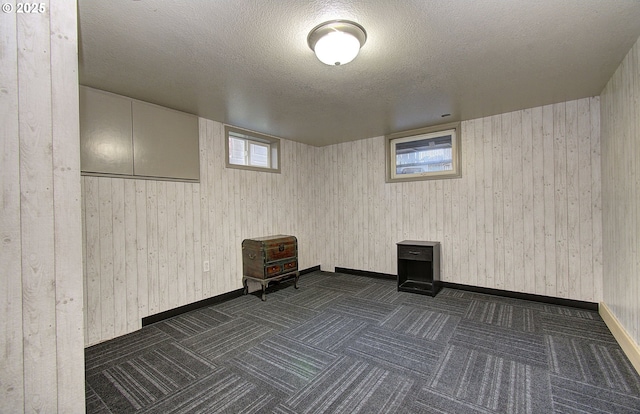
(431, 132)
(249, 137)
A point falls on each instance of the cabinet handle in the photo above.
(414, 253)
(252, 256)
(281, 248)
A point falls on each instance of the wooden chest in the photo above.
(269, 258)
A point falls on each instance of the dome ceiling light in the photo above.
(337, 42)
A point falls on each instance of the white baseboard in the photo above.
(628, 345)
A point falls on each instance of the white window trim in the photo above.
(272, 143)
(391, 140)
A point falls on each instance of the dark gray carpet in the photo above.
(349, 344)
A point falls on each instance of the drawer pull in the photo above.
(252, 256)
(414, 253)
(281, 247)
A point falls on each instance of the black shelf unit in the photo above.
(419, 267)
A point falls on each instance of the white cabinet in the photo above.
(105, 132)
(124, 137)
(165, 142)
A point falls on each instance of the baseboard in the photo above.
(525, 296)
(628, 345)
(191, 307)
(366, 273)
(203, 303)
(497, 292)
(309, 270)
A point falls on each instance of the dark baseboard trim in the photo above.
(526, 296)
(356, 272)
(477, 289)
(191, 307)
(203, 303)
(309, 270)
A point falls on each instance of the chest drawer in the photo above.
(273, 270)
(290, 266)
(420, 253)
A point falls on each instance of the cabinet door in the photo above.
(105, 133)
(165, 142)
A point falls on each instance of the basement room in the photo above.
(329, 206)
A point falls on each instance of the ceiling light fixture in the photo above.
(337, 42)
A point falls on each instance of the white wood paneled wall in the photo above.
(621, 192)
(146, 241)
(42, 356)
(525, 216)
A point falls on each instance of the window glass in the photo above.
(251, 150)
(237, 151)
(424, 154)
(258, 155)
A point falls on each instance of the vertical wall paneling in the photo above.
(469, 143)
(140, 235)
(85, 293)
(142, 287)
(618, 205)
(487, 136)
(146, 240)
(528, 215)
(478, 168)
(152, 250)
(498, 200)
(516, 272)
(596, 197)
(573, 199)
(131, 256)
(119, 256)
(197, 243)
(560, 200)
(539, 255)
(461, 264)
(92, 260)
(219, 215)
(511, 222)
(585, 210)
(12, 353)
(549, 225)
(163, 247)
(106, 257)
(188, 246)
(36, 182)
(206, 163)
(42, 359)
(173, 290)
(507, 144)
(67, 207)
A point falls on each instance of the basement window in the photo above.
(250, 150)
(424, 154)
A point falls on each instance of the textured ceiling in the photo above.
(247, 63)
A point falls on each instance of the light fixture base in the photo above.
(332, 26)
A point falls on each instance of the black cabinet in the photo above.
(419, 267)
